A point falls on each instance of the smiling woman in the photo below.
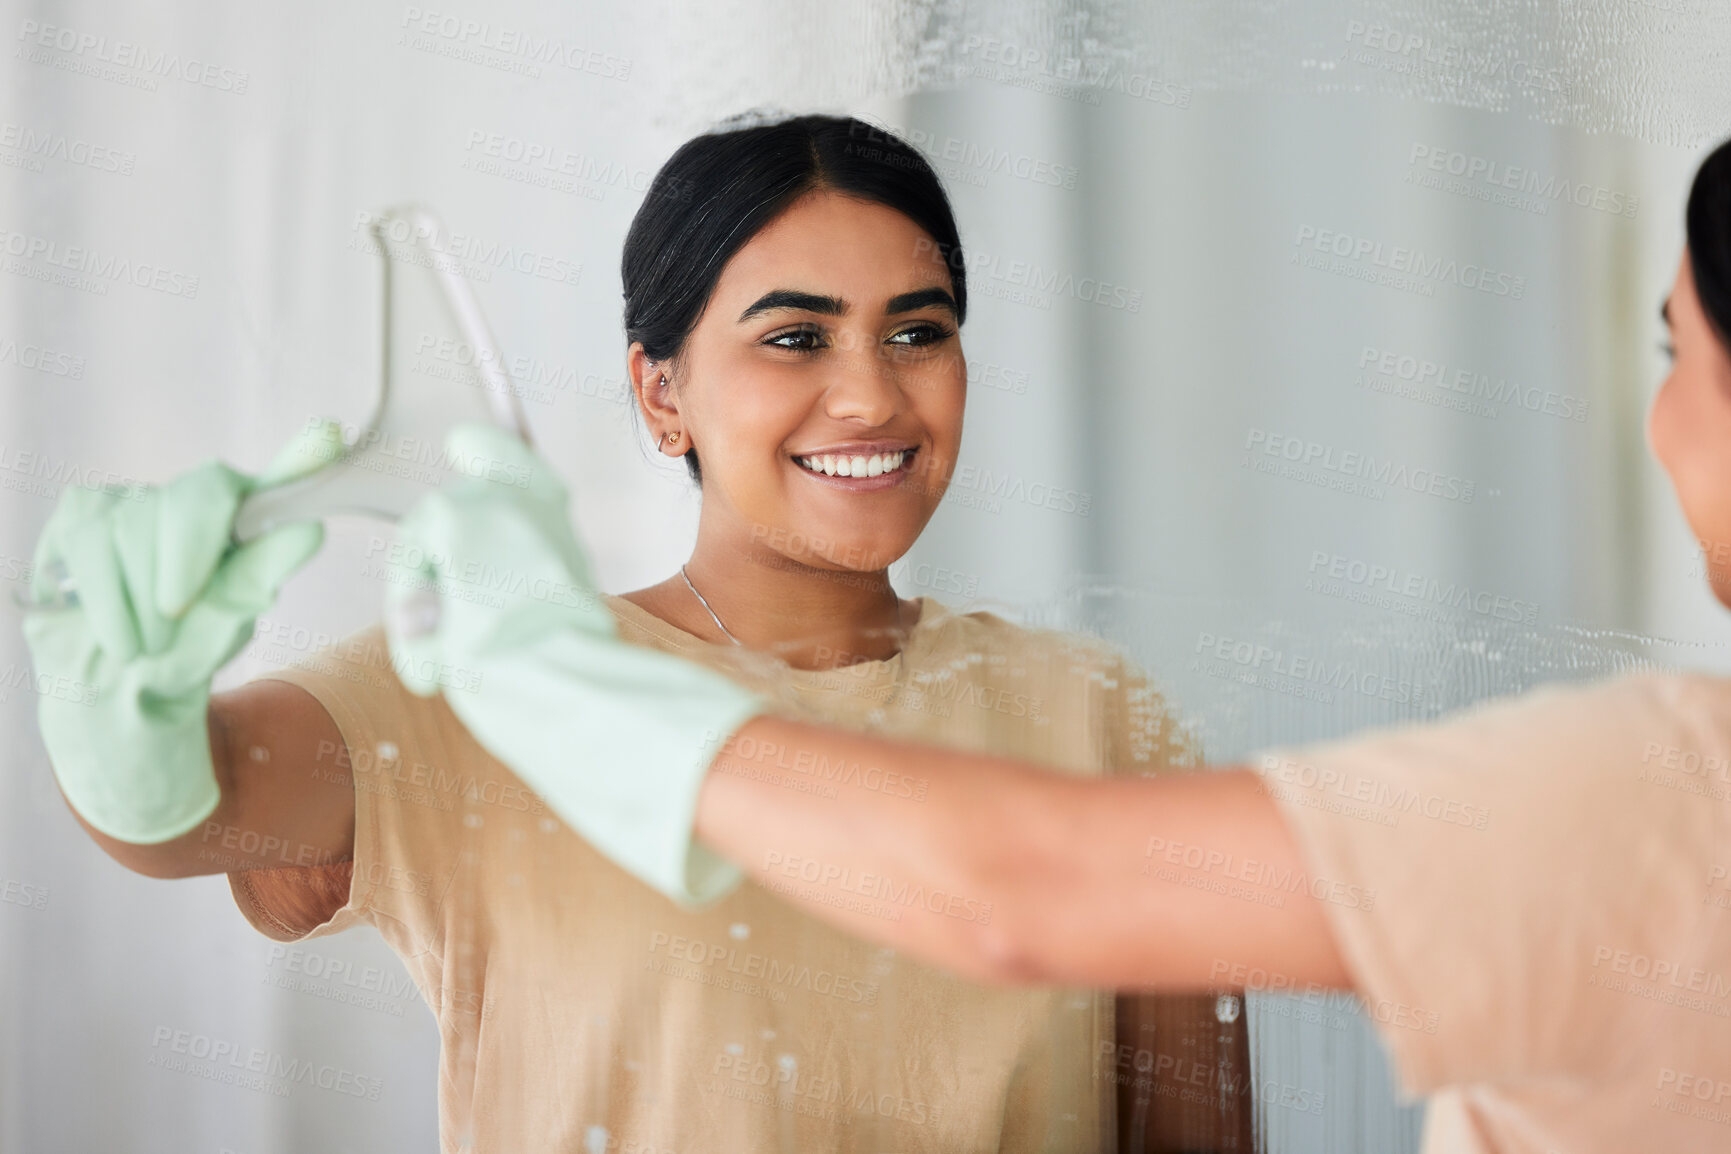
(771, 382)
(795, 324)
(800, 332)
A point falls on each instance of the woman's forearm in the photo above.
(1007, 872)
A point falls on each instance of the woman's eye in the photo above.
(800, 340)
(925, 334)
(1669, 349)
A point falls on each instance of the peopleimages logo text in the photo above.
(1412, 262)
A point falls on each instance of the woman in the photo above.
(798, 325)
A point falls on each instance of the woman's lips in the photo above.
(887, 480)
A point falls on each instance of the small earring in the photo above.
(673, 437)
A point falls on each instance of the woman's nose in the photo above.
(864, 384)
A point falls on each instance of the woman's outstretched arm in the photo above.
(1010, 873)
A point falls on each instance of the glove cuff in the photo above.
(165, 782)
(623, 765)
(693, 874)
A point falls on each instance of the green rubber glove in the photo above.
(164, 600)
(615, 738)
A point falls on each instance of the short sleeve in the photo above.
(1518, 891)
(404, 756)
(291, 903)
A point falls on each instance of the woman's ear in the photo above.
(651, 386)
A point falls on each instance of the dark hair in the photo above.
(720, 189)
(1707, 224)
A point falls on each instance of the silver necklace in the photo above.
(705, 605)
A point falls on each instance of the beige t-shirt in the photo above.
(1549, 949)
(570, 996)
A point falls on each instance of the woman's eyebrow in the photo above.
(795, 299)
(1665, 312)
(837, 307)
(919, 299)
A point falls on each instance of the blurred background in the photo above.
(1214, 251)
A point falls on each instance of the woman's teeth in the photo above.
(840, 466)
